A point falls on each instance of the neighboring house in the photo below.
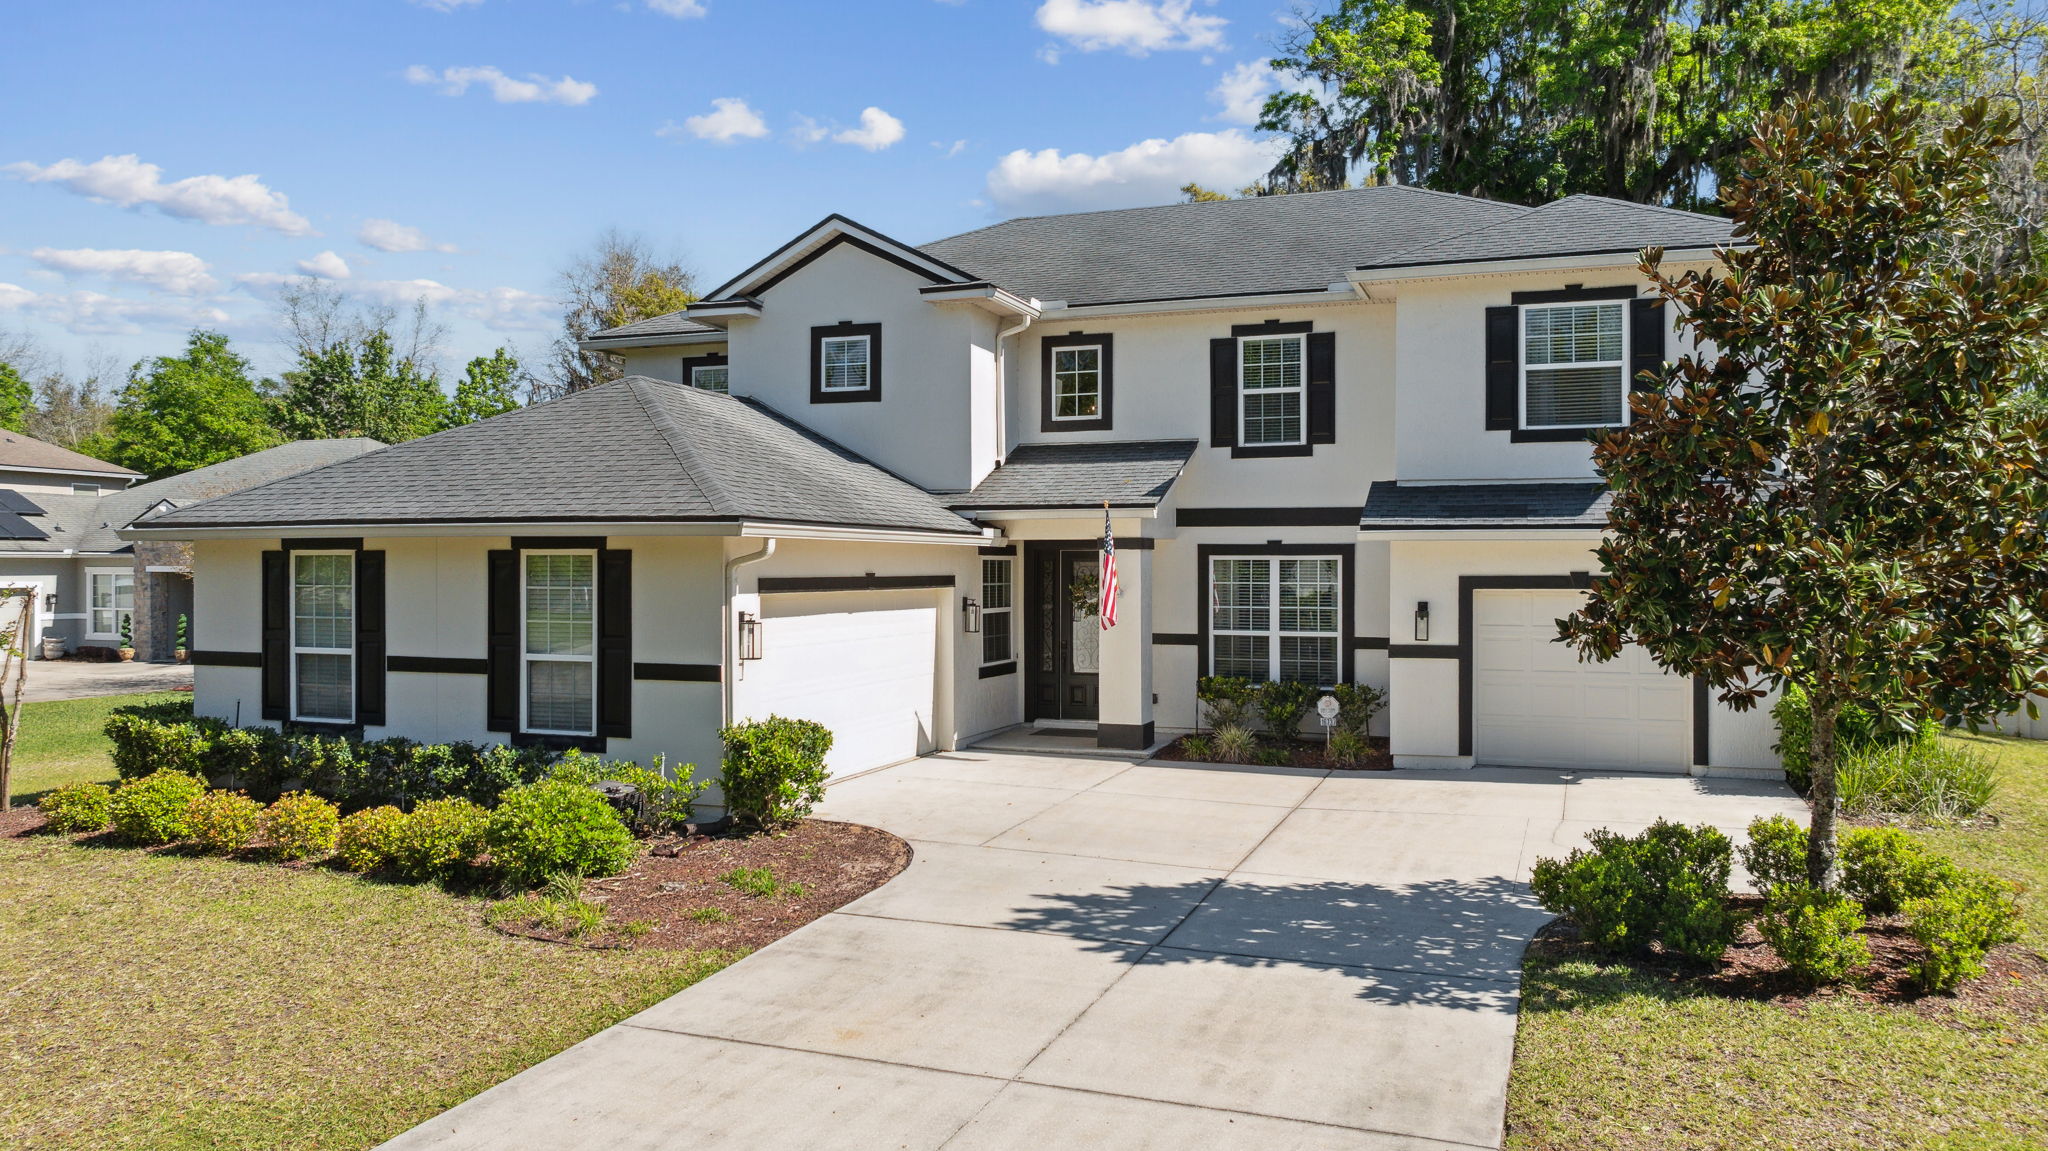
(63, 541)
(1342, 437)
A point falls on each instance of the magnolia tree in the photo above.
(1834, 490)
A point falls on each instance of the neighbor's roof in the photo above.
(20, 450)
(672, 324)
(1392, 505)
(1265, 244)
(1135, 474)
(1573, 226)
(638, 450)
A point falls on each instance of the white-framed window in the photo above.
(998, 636)
(1574, 365)
(710, 377)
(85, 489)
(324, 636)
(558, 618)
(1077, 383)
(1271, 397)
(1276, 617)
(844, 363)
(110, 601)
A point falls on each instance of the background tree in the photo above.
(618, 281)
(183, 412)
(1861, 514)
(359, 371)
(73, 411)
(17, 399)
(489, 387)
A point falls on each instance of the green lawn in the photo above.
(59, 742)
(1610, 1056)
(165, 1001)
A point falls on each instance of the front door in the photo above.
(1063, 633)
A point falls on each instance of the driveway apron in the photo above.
(1087, 952)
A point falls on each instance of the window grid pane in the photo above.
(1244, 656)
(323, 602)
(995, 583)
(1272, 419)
(845, 363)
(1572, 334)
(1277, 617)
(995, 637)
(1240, 596)
(1077, 383)
(709, 379)
(1271, 363)
(559, 695)
(1574, 397)
(326, 689)
(561, 600)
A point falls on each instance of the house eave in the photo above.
(596, 344)
(1484, 533)
(969, 535)
(1614, 258)
(1344, 293)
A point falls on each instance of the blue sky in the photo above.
(166, 165)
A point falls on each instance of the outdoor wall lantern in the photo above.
(970, 614)
(750, 636)
(1422, 621)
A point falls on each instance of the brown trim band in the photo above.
(1574, 292)
(1267, 517)
(1176, 639)
(1272, 328)
(999, 669)
(1424, 651)
(328, 544)
(200, 657)
(1370, 643)
(1702, 708)
(557, 543)
(437, 665)
(774, 585)
(1124, 736)
(1005, 550)
(679, 672)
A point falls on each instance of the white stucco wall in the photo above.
(665, 363)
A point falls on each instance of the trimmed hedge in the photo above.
(774, 770)
(556, 827)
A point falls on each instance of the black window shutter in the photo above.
(1503, 374)
(615, 643)
(370, 643)
(277, 642)
(1322, 387)
(501, 656)
(1223, 393)
(1646, 340)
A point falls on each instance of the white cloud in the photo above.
(500, 309)
(877, 130)
(950, 150)
(808, 131)
(326, 265)
(98, 314)
(446, 5)
(127, 181)
(680, 9)
(392, 236)
(1133, 26)
(1242, 91)
(180, 272)
(729, 119)
(1148, 172)
(534, 89)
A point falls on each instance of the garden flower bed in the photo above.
(1273, 752)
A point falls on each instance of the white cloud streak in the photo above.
(680, 9)
(877, 131)
(1134, 26)
(97, 314)
(326, 265)
(729, 119)
(534, 88)
(127, 181)
(392, 236)
(1148, 172)
(180, 273)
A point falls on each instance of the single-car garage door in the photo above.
(1535, 705)
(861, 663)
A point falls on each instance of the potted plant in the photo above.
(184, 622)
(127, 638)
(53, 647)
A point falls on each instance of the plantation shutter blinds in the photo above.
(1574, 372)
(277, 655)
(1223, 393)
(1503, 372)
(370, 638)
(503, 650)
(615, 643)
(1322, 387)
(1646, 341)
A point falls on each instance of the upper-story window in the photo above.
(1271, 390)
(1574, 365)
(846, 363)
(710, 377)
(1075, 389)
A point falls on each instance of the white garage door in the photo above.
(1535, 705)
(861, 663)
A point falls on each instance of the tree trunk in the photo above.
(1822, 869)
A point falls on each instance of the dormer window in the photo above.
(846, 363)
(1574, 365)
(710, 377)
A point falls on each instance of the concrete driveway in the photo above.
(1088, 953)
(81, 679)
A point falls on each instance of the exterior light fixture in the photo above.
(1422, 621)
(970, 614)
(750, 636)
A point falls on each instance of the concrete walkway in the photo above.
(1089, 953)
(80, 679)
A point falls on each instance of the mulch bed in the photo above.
(836, 863)
(21, 821)
(2015, 982)
(1299, 754)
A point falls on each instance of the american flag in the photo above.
(1107, 611)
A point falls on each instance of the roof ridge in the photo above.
(1636, 204)
(1196, 205)
(701, 473)
(1504, 221)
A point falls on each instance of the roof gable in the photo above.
(826, 234)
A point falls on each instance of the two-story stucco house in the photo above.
(1341, 436)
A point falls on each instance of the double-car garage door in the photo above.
(864, 664)
(1535, 705)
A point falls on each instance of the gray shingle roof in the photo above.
(1392, 505)
(1136, 474)
(1232, 247)
(1575, 225)
(20, 450)
(638, 450)
(672, 324)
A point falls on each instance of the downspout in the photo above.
(1002, 409)
(729, 664)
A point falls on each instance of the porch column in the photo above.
(1124, 689)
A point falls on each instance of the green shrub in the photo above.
(153, 809)
(1929, 777)
(301, 825)
(1776, 852)
(438, 838)
(554, 827)
(1668, 885)
(1273, 756)
(1814, 932)
(1285, 704)
(223, 821)
(1855, 727)
(1884, 868)
(1235, 744)
(78, 808)
(1357, 704)
(142, 744)
(666, 803)
(366, 839)
(1227, 700)
(1197, 747)
(1349, 747)
(774, 771)
(1959, 925)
